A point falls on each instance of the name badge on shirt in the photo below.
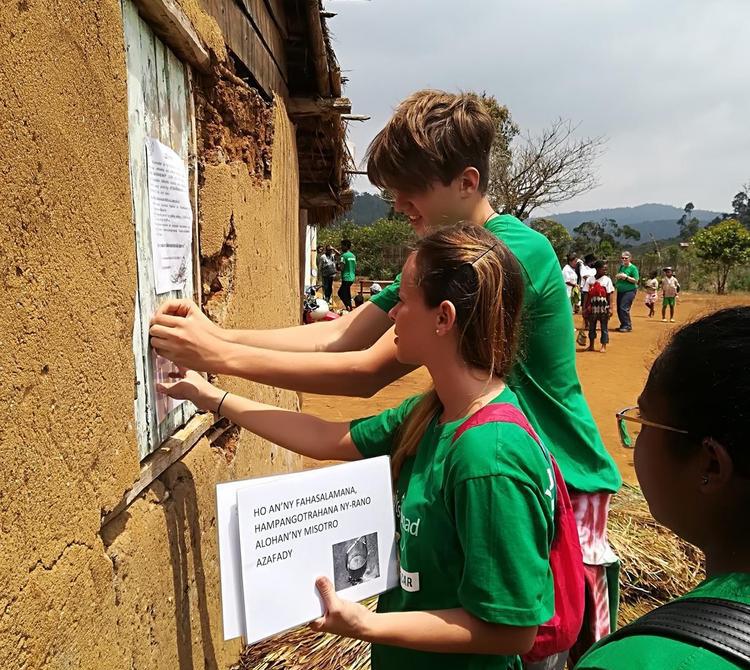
(409, 581)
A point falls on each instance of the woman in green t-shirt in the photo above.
(475, 513)
(692, 458)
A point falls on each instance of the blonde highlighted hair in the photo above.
(432, 136)
(474, 270)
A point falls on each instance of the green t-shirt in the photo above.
(653, 652)
(544, 377)
(349, 263)
(475, 521)
(624, 286)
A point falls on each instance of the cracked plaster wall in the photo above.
(144, 592)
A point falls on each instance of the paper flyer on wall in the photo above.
(171, 217)
(278, 534)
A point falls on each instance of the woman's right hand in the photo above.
(193, 387)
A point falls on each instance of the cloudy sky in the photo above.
(666, 81)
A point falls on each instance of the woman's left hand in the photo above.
(193, 387)
(341, 617)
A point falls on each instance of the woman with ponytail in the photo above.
(475, 507)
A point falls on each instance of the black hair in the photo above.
(703, 376)
(654, 274)
(589, 259)
(599, 264)
(572, 256)
(346, 244)
(359, 299)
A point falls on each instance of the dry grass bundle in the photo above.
(302, 649)
(656, 566)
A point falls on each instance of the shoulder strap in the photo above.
(504, 412)
(719, 625)
(497, 412)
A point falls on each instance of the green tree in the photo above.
(689, 225)
(602, 238)
(506, 129)
(726, 245)
(381, 247)
(741, 206)
(556, 233)
(718, 219)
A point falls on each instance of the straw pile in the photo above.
(656, 567)
(303, 649)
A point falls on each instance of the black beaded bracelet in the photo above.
(218, 409)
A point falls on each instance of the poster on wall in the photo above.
(278, 534)
(171, 217)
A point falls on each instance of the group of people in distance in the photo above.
(329, 261)
(481, 304)
(590, 288)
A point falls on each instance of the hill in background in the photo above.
(650, 219)
(366, 209)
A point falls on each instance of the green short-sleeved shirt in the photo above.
(349, 263)
(475, 521)
(544, 377)
(624, 286)
(652, 652)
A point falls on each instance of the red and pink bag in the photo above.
(566, 561)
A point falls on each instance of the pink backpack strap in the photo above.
(506, 413)
(501, 412)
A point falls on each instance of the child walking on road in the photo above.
(652, 285)
(670, 287)
(598, 306)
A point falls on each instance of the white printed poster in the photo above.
(278, 534)
(171, 217)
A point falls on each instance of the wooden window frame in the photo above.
(169, 25)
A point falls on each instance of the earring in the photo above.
(704, 480)
(437, 331)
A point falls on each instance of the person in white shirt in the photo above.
(670, 287)
(571, 279)
(598, 306)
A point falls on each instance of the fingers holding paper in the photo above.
(183, 307)
(181, 332)
(189, 385)
(341, 617)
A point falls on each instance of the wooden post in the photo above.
(318, 48)
(301, 107)
(169, 22)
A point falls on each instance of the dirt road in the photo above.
(610, 381)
